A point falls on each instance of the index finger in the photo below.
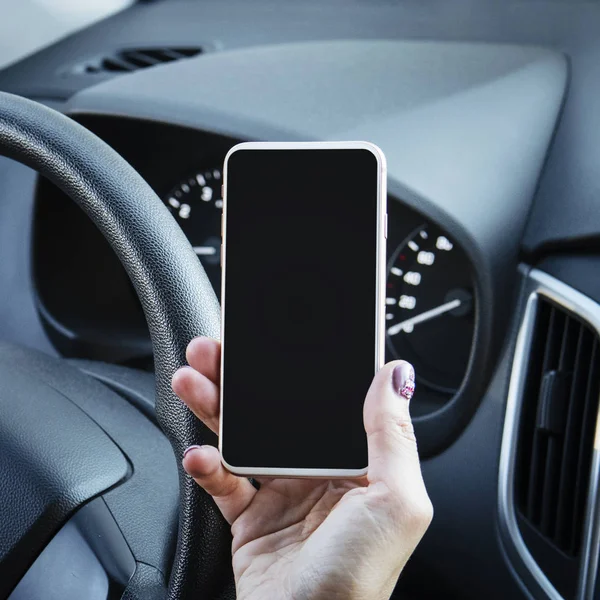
(204, 355)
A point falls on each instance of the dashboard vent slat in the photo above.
(570, 447)
(125, 61)
(143, 59)
(551, 479)
(560, 404)
(586, 442)
(115, 63)
(538, 450)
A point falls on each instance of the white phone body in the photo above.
(378, 288)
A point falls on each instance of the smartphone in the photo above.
(303, 258)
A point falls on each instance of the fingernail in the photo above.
(403, 380)
(190, 449)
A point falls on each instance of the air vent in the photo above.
(126, 61)
(556, 437)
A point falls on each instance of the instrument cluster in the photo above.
(430, 303)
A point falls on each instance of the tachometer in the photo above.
(430, 308)
(196, 204)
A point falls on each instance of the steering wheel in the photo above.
(178, 302)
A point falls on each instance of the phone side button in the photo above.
(385, 226)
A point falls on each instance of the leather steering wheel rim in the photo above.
(176, 295)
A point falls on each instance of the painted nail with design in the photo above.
(190, 448)
(403, 379)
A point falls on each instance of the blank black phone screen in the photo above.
(299, 307)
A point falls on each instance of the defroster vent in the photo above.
(556, 436)
(125, 61)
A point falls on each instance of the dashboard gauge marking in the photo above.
(423, 234)
(396, 271)
(200, 179)
(443, 243)
(185, 188)
(389, 316)
(216, 174)
(174, 202)
(407, 302)
(204, 250)
(390, 301)
(413, 246)
(426, 258)
(412, 278)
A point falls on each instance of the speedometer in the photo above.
(430, 308)
(196, 203)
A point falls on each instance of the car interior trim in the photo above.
(539, 284)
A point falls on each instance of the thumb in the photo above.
(393, 456)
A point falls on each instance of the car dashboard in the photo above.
(493, 233)
(428, 272)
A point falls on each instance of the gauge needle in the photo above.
(428, 314)
(205, 250)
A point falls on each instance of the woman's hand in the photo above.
(317, 539)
